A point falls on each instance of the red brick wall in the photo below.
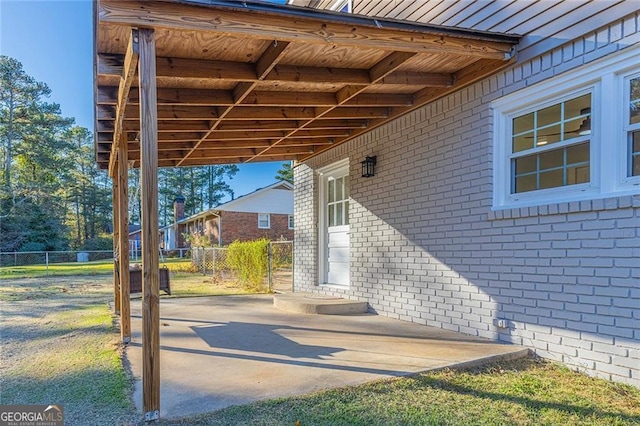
(244, 227)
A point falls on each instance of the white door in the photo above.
(337, 228)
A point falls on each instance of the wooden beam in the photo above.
(123, 241)
(116, 248)
(238, 22)
(183, 70)
(413, 78)
(269, 59)
(377, 72)
(191, 98)
(150, 247)
(107, 95)
(130, 64)
(462, 78)
(388, 65)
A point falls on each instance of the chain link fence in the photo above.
(51, 262)
(281, 266)
(28, 258)
(212, 261)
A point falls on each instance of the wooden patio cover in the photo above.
(244, 82)
(186, 83)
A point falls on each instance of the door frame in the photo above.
(338, 168)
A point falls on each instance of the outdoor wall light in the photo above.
(368, 166)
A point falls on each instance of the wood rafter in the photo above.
(252, 25)
(128, 74)
(264, 83)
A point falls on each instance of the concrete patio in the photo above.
(222, 351)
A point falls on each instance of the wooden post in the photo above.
(116, 238)
(150, 261)
(123, 241)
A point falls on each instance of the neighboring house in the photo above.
(509, 209)
(266, 212)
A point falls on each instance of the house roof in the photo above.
(241, 81)
(229, 205)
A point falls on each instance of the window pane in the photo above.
(331, 185)
(559, 122)
(526, 164)
(549, 135)
(339, 218)
(346, 213)
(635, 154)
(577, 107)
(551, 179)
(635, 146)
(523, 142)
(522, 124)
(634, 101)
(552, 159)
(549, 115)
(578, 153)
(346, 187)
(578, 174)
(339, 189)
(331, 214)
(548, 169)
(526, 183)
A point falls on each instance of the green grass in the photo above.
(70, 356)
(522, 392)
(73, 268)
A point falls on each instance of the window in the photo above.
(338, 201)
(550, 146)
(342, 6)
(632, 124)
(264, 221)
(573, 137)
(290, 221)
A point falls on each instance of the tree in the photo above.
(35, 160)
(22, 112)
(285, 173)
(88, 197)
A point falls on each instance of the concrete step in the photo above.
(310, 303)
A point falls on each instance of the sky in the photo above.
(53, 39)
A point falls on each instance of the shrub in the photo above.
(249, 260)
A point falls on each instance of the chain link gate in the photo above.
(280, 258)
(212, 261)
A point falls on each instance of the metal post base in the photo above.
(151, 416)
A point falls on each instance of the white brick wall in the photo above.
(426, 246)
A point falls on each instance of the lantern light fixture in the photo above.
(368, 166)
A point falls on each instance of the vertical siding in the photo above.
(544, 24)
(426, 246)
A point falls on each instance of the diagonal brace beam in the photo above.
(129, 72)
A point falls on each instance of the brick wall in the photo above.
(426, 246)
(244, 227)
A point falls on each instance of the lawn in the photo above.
(521, 392)
(78, 268)
(60, 345)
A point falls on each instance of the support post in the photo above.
(150, 261)
(116, 250)
(123, 240)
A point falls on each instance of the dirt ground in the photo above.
(58, 345)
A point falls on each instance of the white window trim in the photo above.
(605, 78)
(268, 220)
(626, 129)
(289, 220)
(339, 167)
(340, 4)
